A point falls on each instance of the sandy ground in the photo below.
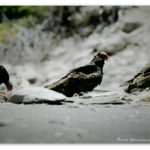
(74, 124)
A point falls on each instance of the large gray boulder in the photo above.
(32, 95)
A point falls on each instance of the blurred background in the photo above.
(40, 44)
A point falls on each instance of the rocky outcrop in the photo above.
(140, 81)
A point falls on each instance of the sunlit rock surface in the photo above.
(32, 95)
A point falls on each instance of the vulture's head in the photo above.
(100, 58)
(9, 86)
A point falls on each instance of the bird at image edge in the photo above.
(4, 78)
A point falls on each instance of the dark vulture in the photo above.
(4, 78)
(83, 79)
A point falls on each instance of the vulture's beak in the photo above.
(9, 86)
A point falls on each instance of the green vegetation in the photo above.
(13, 12)
(27, 16)
(7, 32)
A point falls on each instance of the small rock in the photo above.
(79, 135)
(4, 123)
(57, 122)
(130, 26)
(32, 80)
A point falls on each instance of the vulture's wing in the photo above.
(82, 79)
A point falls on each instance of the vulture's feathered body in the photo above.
(4, 78)
(83, 79)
